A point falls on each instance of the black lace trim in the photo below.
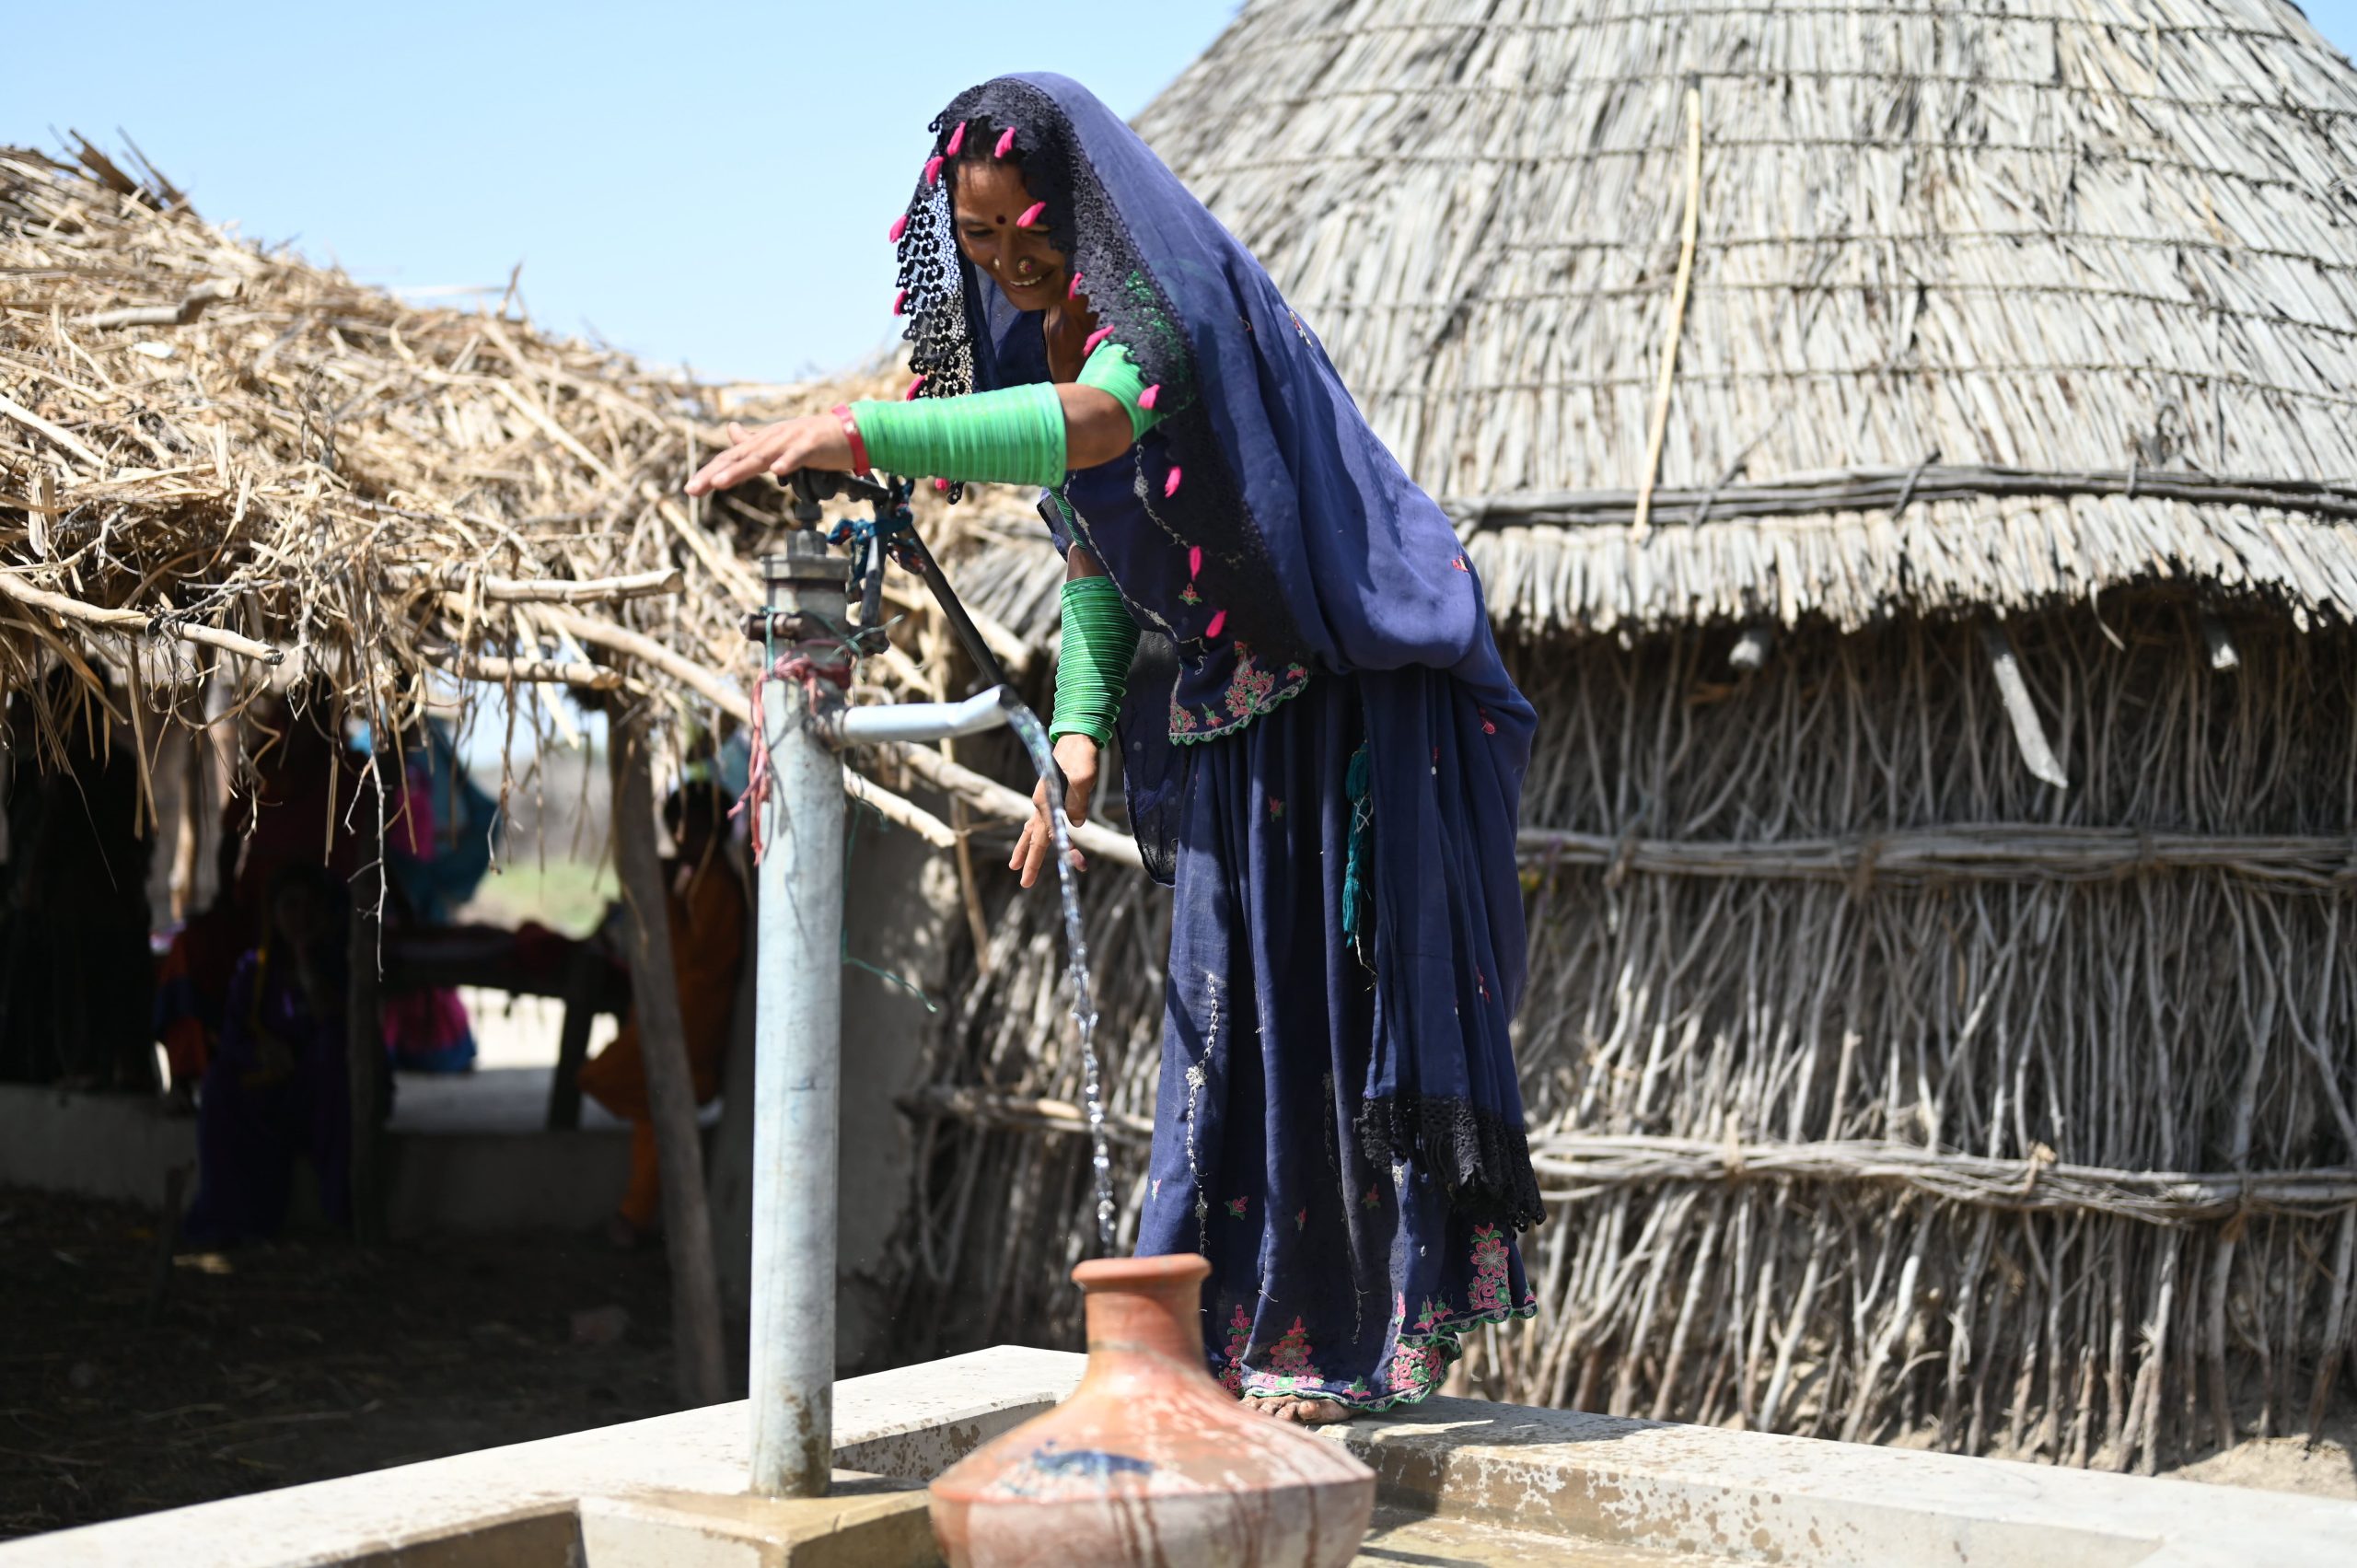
(1482, 1162)
(944, 315)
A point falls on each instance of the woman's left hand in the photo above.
(1076, 755)
(814, 441)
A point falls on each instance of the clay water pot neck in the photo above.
(1143, 1307)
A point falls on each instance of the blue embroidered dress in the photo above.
(1329, 780)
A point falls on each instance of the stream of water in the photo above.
(1026, 724)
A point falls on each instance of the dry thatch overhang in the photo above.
(1984, 305)
(220, 464)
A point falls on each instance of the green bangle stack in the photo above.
(1110, 370)
(1015, 436)
(1093, 669)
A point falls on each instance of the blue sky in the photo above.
(709, 185)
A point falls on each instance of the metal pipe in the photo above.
(796, 1069)
(916, 721)
(960, 622)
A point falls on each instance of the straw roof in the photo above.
(1986, 304)
(220, 461)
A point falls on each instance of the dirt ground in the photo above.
(298, 1360)
(267, 1366)
(2286, 1464)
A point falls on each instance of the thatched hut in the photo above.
(1910, 449)
(224, 470)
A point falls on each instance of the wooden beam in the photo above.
(994, 799)
(1689, 227)
(1972, 852)
(2027, 731)
(701, 1360)
(134, 622)
(712, 685)
(585, 977)
(656, 584)
(1882, 489)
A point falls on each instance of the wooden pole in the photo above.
(364, 1059)
(1691, 227)
(581, 990)
(701, 1363)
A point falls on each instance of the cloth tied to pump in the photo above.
(808, 673)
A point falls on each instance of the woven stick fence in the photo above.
(2032, 1132)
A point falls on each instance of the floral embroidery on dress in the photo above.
(1276, 807)
(1248, 688)
(1374, 1196)
(1415, 1367)
(1290, 1366)
(1418, 1365)
(1235, 1207)
(1251, 690)
(1487, 1292)
(1239, 1345)
(1301, 1219)
(1422, 1353)
(1188, 596)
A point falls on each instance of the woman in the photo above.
(276, 1087)
(1330, 782)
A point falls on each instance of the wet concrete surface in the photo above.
(1403, 1538)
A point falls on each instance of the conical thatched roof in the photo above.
(1986, 301)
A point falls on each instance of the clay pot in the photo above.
(1151, 1462)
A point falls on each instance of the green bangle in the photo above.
(1111, 370)
(1015, 436)
(1093, 669)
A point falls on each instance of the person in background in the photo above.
(438, 848)
(299, 804)
(705, 905)
(276, 1087)
(76, 972)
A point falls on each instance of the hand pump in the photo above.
(798, 818)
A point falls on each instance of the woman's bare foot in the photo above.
(1301, 1412)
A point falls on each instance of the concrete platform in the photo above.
(1461, 1482)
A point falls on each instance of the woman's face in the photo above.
(990, 196)
(295, 910)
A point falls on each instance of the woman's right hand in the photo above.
(813, 441)
(1076, 755)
